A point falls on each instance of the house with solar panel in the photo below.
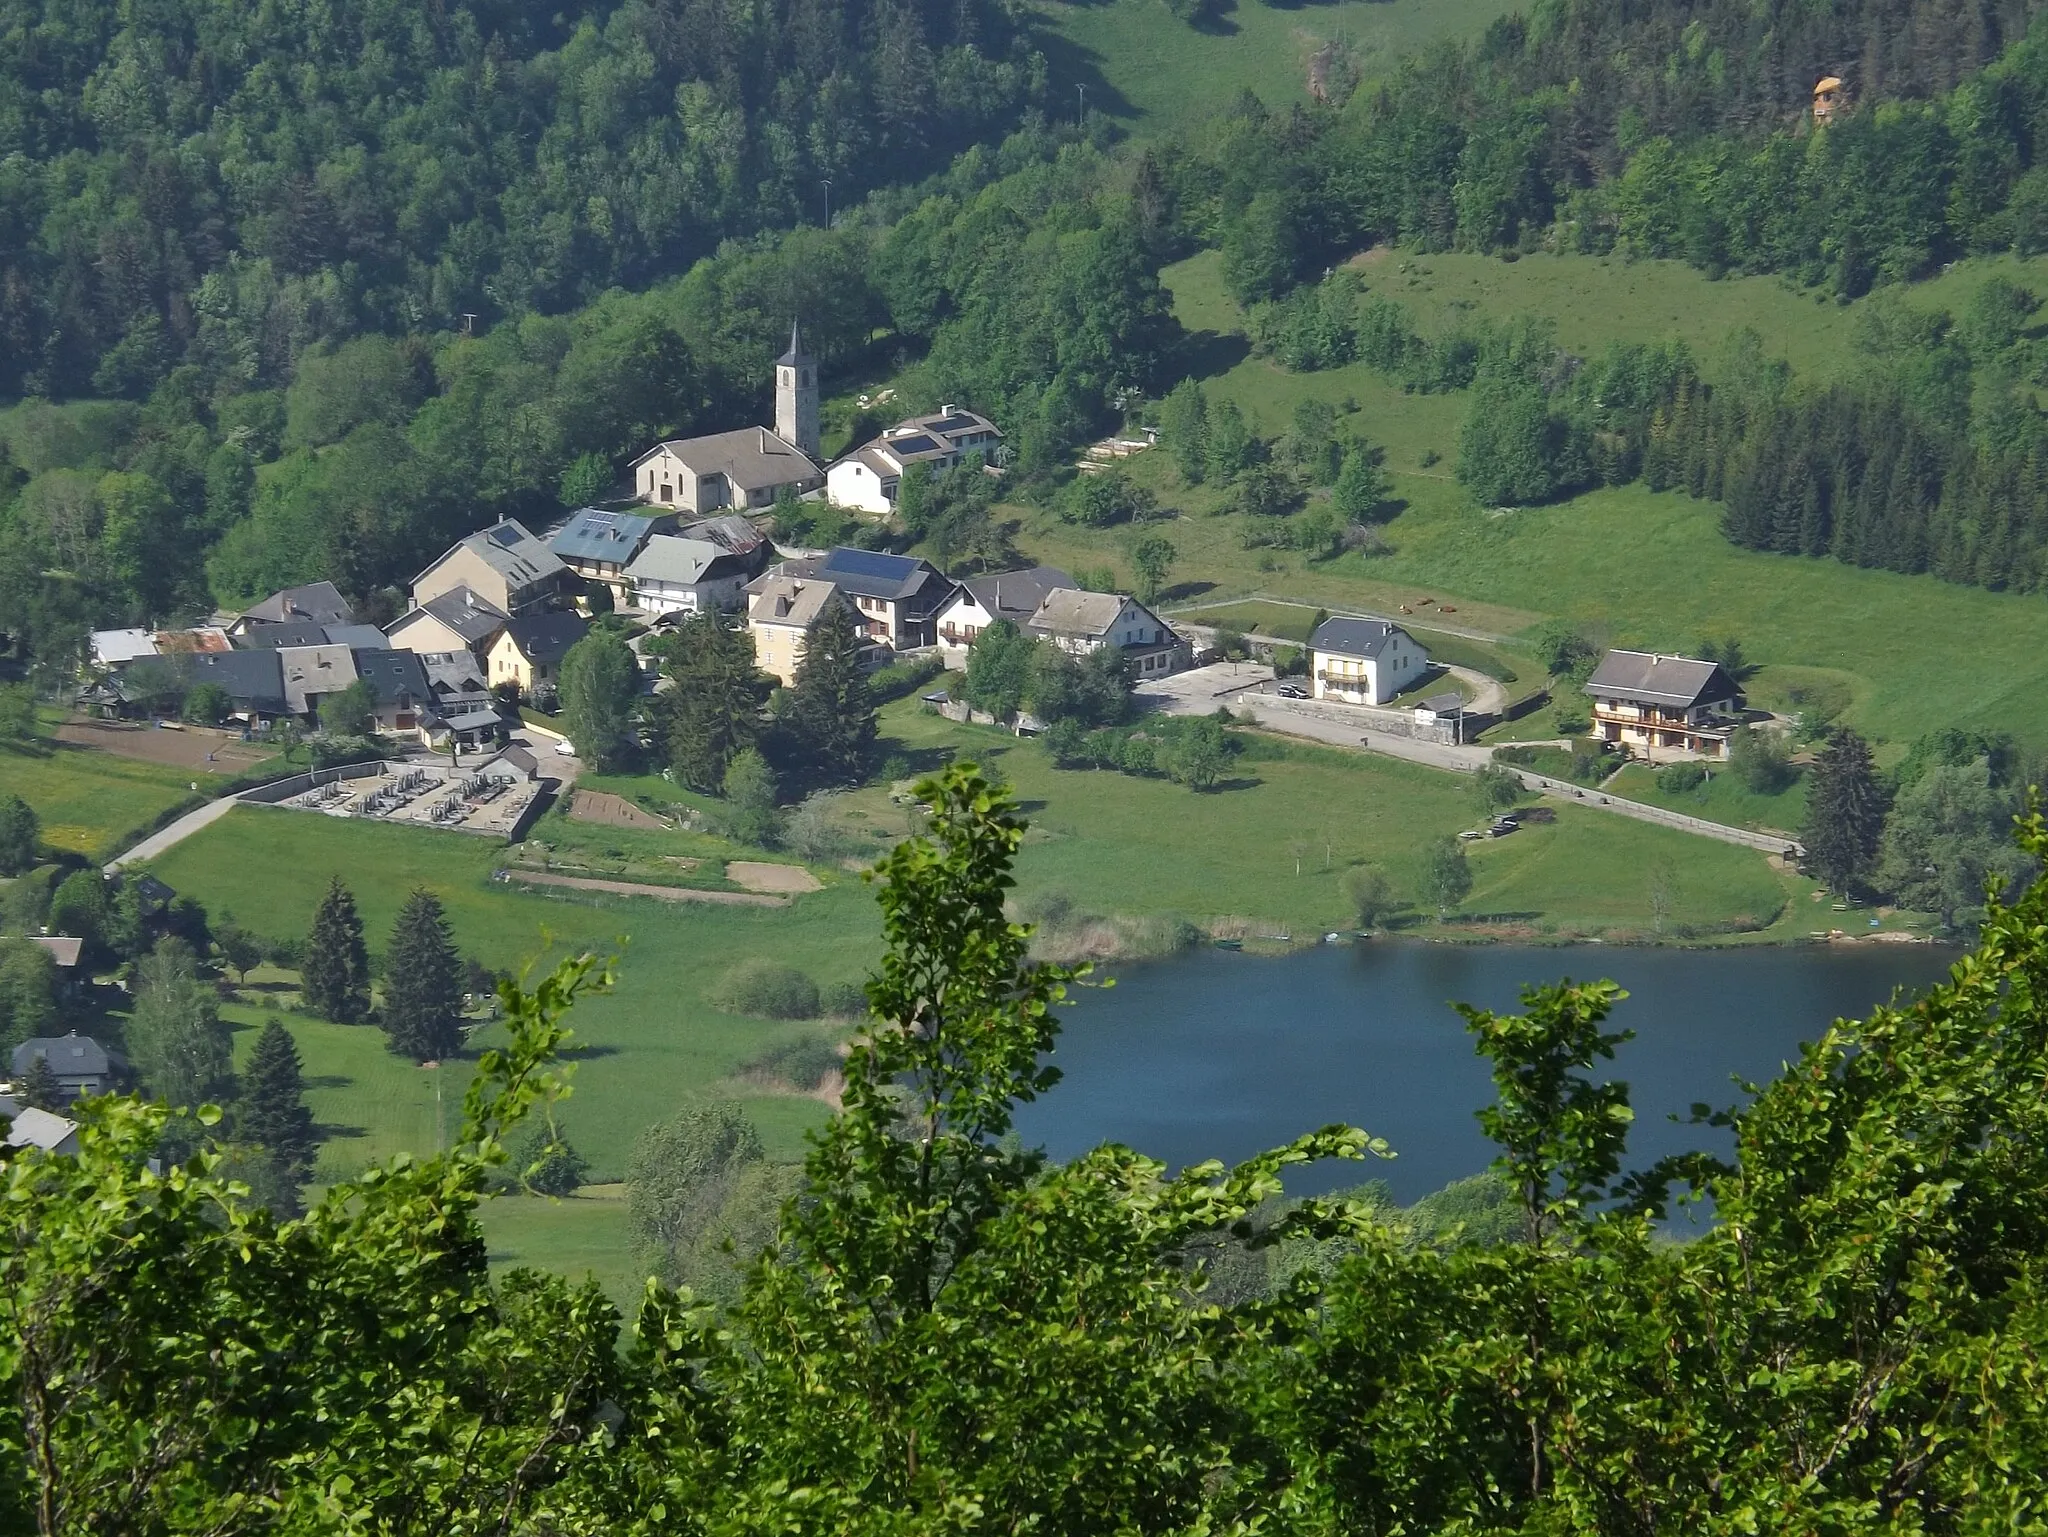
(598, 545)
(504, 565)
(750, 466)
(1364, 661)
(868, 478)
(897, 598)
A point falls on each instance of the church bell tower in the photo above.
(796, 396)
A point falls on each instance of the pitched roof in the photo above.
(1015, 595)
(314, 603)
(461, 610)
(395, 677)
(1355, 637)
(792, 600)
(544, 639)
(453, 674)
(752, 458)
(202, 637)
(40, 1129)
(254, 680)
(275, 637)
(595, 535)
(1070, 611)
(69, 1056)
(870, 573)
(932, 436)
(357, 637)
(1674, 680)
(729, 531)
(511, 551)
(310, 670)
(668, 558)
(64, 949)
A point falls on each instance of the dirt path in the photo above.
(636, 889)
(770, 877)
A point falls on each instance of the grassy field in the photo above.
(1151, 71)
(1723, 798)
(90, 802)
(1634, 568)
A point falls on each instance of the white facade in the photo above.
(1351, 679)
(654, 596)
(856, 484)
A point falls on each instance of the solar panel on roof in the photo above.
(953, 423)
(870, 563)
(916, 443)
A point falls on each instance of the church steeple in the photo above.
(796, 395)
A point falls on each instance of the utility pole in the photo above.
(828, 202)
(1081, 117)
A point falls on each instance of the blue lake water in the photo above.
(1219, 1055)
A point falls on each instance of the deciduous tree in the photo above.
(600, 682)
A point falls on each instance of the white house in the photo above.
(980, 601)
(868, 478)
(1083, 622)
(677, 575)
(1364, 661)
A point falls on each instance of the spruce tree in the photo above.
(1845, 811)
(39, 1087)
(335, 977)
(272, 1112)
(830, 708)
(713, 708)
(423, 983)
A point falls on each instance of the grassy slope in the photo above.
(90, 801)
(1723, 798)
(1151, 71)
(1634, 567)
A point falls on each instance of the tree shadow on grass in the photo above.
(1209, 354)
(1242, 782)
(588, 1053)
(1180, 592)
(330, 1131)
(327, 1081)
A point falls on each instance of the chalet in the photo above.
(80, 1064)
(528, 652)
(896, 597)
(1656, 704)
(869, 478)
(462, 707)
(43, 1131)
(318, 603)
(253, 680)
(782, 611)
(1081, 623)
(1364, 661)
(598, 545)
(455, 620)
(980, 601)
(398, 686)
(678, 575)
(279, 637)
(504, 565)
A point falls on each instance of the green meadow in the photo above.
(91, 803)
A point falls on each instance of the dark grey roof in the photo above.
(314, 603)
(872, 574)
(357, 637)
(1015, 595)
(471, 617)
(1444, 704)
(69, 1056)
(396, 677)
(546, 638)
(595, 535)
(254, 680)
(1355, 637)
(272, 637)
(796, 354)
(1658, 679)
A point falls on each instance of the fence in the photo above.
(1768, 842)
(284, 789)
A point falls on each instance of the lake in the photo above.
(1220, 1055)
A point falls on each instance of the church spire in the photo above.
(796, 353)
(796, 395)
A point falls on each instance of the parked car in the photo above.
(1471, 835)
(1292, 691)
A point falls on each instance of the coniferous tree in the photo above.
(20, 835)
(714, 705)
(272, 1112)
(831, 711)
(1845, 809)
(39, 1087)
(423, 985)
(336, 975)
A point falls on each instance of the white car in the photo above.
(565, 747)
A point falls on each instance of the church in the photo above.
(748, 467)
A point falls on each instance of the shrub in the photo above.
(766, 990)
(801, 1063)
(1678, 778)
(844, 1000)
(546, 1164)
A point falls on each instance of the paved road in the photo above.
(1236, 685)
(177, 832)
